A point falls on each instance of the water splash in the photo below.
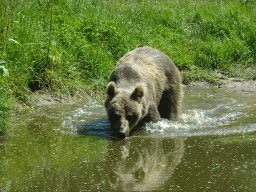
(202, 114)
(88, 113)
(224, 116)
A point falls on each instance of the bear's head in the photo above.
(124, 108)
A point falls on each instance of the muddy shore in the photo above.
(236, 84)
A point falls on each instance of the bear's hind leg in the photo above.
(169, 107)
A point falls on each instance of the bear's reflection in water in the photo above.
(143, 163)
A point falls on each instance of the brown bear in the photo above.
(144, 86)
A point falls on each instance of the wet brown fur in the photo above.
(144, 86)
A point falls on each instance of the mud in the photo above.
(239, 85)
(236, 84)
(41, 98)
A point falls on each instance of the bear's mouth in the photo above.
(121, 132)
(117, 131)
(120, 135)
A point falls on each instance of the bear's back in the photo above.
(147, 66)
(149, 63)
(146, 55)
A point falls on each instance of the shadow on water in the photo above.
(70, 148)
(100, 128)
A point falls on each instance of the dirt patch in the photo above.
(236, 84)
(41, 98)
(239, 85)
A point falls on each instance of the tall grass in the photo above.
(4, 109)
(4, 99)
(63, 45)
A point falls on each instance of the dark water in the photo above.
(68, 148)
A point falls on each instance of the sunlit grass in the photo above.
(4, 98)
(4, 108)
(69, 45)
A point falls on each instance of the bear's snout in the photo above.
(124, 127)
(121, 128)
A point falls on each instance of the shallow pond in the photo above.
(68, 148)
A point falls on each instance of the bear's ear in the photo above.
(138, 93)
(111, 89)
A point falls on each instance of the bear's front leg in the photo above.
(153, 113)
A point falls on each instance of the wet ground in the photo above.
(67, 147)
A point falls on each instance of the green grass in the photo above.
(4, 108)
(4, 98)
(70, 45)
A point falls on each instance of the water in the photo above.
(68, 148)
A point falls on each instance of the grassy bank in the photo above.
(4, 109)
(4, 98)
(72, 45)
